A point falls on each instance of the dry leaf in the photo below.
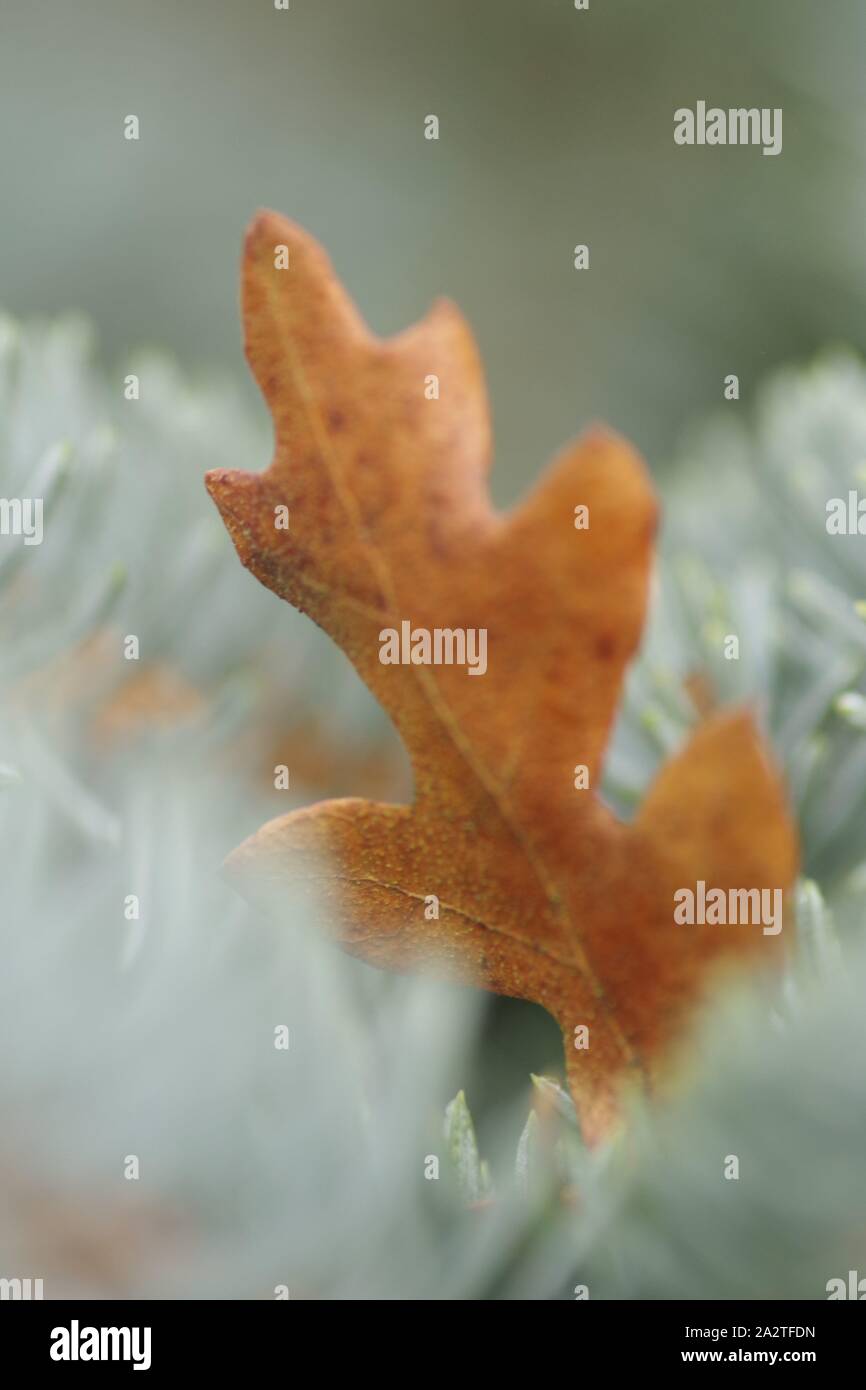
(154, 697)
(542, 893)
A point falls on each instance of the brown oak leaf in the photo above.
(542, 892)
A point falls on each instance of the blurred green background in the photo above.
(556, 128)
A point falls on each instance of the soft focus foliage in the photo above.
(746, 551)
(556, 128)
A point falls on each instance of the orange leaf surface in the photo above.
(542, 892)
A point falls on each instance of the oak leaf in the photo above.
(542, 892)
